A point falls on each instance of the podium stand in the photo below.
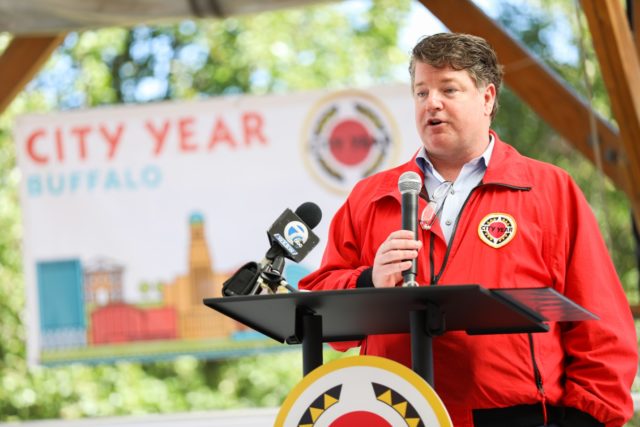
(311, 318)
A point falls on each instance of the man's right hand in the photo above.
(393, 257)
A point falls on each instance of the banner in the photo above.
(133, 214)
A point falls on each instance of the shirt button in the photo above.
(448, 222)
(452, 192)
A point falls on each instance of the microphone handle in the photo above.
(410, 222)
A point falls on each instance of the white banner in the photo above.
(133, 214)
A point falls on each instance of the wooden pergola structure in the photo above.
(614, 29)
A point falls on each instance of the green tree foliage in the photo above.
(544, 24)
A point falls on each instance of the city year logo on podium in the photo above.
(348, 136)
(363, 391)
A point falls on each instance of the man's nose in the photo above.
(434, 102)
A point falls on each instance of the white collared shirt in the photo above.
(470, 176)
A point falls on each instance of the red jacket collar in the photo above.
(506, 167)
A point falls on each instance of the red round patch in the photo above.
(350, 142)
(360, 419)
(497, 229)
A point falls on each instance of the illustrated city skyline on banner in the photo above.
(133, 215)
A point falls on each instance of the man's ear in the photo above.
(489, 98)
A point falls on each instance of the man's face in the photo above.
(452, 115)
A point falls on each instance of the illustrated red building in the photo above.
(120, 322)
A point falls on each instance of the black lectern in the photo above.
(311, 318)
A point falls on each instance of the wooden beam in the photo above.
(635, 19)
(620, 67)
(537, 85)
(20, 61)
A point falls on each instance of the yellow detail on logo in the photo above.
(367, 389)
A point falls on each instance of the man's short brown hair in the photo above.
(460, 52)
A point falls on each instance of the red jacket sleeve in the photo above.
(601, 355)
(340, 267)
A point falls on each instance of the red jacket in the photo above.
(586, 365)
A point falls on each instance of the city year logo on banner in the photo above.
(363, 391)
(348, 136)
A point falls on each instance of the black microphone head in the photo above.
(310, 213)
(291, 236)
(409, 182)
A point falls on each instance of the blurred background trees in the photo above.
(335, 45)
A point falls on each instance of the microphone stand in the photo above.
(271, 280)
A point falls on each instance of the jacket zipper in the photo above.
(538, 378)
(434, 278)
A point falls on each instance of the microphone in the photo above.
(410, 185)
(290, 237)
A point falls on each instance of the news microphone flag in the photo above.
(291, 233)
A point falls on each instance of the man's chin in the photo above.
(438, 144)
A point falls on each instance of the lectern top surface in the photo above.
(354, 313)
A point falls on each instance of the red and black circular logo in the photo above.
(363, 391)
(497, 229)
(348, 136)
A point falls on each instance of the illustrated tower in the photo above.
(187, 292)
(200, 265)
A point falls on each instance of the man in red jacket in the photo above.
(577, 374)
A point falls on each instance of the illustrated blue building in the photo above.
(61, 301)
